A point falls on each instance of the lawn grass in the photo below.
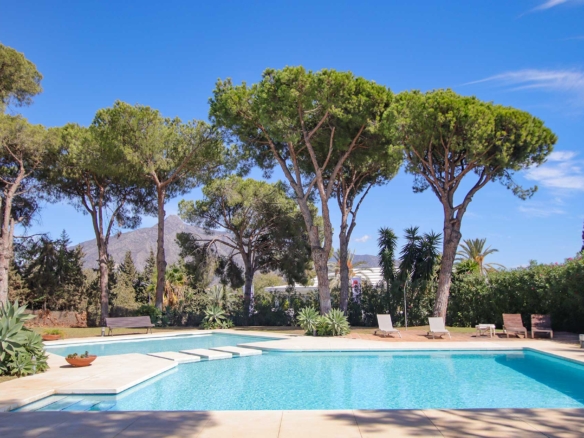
(7, 378)
(90, 332)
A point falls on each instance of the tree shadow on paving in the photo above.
(388, 422)
(103, 424)
(508, 422)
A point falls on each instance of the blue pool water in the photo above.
(398, 380)
(156, 345)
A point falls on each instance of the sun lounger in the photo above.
(385, 325)
(513, 324)
(437, 327)
(542, 324)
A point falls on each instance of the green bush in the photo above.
(153, 312)
(280, 309)
(21, 350)
(555, 289)
(54, 331)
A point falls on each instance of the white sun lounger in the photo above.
(385, 325)
(437, 327)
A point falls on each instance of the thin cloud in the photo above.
(535, 211)
(561, 156)
(549, 4)
(565, 81)
(562, 171)
(365, 238)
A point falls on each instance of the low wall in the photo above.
(57, 318)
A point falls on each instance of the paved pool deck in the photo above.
(506, 423)
(113, 374)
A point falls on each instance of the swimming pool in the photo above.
(343, 380)
(155, 345)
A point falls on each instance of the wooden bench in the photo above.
(129, 322)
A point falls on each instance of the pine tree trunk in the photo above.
(319, 253)
(450, 243)
(7, 235)
(5, 257)
(160, 255)
(247, 293)
(320, 259)
(103, 281)
(344, 267)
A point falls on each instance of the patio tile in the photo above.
(395, 423)
(481, 423)
(564, 423)
(167, 424)
(27, 424)
(319, 424)
(236, 424)
(90, 424)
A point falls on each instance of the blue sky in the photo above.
(525, 53)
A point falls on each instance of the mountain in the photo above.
(371, 261)
(142, 240)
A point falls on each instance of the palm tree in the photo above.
(419, 255)
(222, 296)
(387, 243)
(474, 249)
(335, 266)
(176, 280)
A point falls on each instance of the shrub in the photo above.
(308, 319)
(215, 318)
(334, 323)
(56, 332)
(153, 312)
(21, 350)
(554, 289)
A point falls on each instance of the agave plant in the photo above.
(12, 334)
(21, 350)
(334, 323)
(308, 318)
(214, 317)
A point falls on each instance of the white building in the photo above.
(370, 275)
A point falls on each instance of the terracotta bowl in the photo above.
(81, 361)
(51, 337)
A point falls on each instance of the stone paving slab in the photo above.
(208, 354)
(107, 375)
(176, 357)
(239, 351)
(564, 423)
(392, 423)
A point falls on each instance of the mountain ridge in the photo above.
(142, 240)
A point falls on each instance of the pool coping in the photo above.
(141, 337)
(36, 387)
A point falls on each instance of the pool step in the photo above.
(239, 351)
(176, 357)
(208, 354)
(41, 403)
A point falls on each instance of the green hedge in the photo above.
(557, 289)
